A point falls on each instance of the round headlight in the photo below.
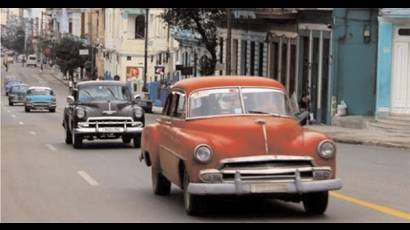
(327, 149)
(80, 113)
(138, 112)
(203, 153)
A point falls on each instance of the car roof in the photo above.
(19, 85)
(193, 84)
(40, 87)
(97, 83)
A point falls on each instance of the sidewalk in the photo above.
(364, 136)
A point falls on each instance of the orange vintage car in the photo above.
(236, 135)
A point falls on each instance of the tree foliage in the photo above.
(67, 54)
(14, 39)
(202, 21)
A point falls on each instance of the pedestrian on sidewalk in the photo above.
(6, 65)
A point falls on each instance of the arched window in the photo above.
(139, 27)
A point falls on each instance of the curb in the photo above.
(364, 142)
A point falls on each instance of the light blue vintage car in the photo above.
(40, 98)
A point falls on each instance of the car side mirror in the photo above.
(70, 100)
(302, 117)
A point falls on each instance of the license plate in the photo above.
(111, 130)
(269, 188)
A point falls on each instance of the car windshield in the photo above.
(39, 92)
(103, 93)
(14, 82)
(19, 88)
(227, 101)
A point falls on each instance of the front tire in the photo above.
(11, 103)
(26, 109)
(137, 141)
(192, 203)
(68, 137)
(52, 110)
(316, 203)
(126, 140)
(161, 186)
(77, 140)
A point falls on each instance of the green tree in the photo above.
(67, 55)
(202, 21)
(14, 39)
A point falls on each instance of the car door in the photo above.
(166, 154)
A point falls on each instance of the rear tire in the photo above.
(316, 203)
(137, 141)
(192, 203)
(161, 186)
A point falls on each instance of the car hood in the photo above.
(41, 98)
(247, 135)
(114, 108)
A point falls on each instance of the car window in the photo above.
(167, 105)
(224, 101)
(180, 110)
(269, 101)
(103, 93)
(19, 89)
(39, 92)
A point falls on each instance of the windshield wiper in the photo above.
(261, 112)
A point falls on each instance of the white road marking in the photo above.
(32, 133)
(88, 178)
(8, 111)
(21, 123)
(13, 116)
(52, 148)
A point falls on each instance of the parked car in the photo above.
(9, 83)
(144, 101)
(40, 98)
(17, 94)
(31, 60)
(237, 136)
(102, 110)
(21, 58)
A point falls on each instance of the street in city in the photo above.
(45, 180)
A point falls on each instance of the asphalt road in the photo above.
(45, 180)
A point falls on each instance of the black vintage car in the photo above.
(102, 110)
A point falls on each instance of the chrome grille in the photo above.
(102, 122)
(267, 170)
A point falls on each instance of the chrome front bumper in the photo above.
(41, 105)
(128, 126)
(282, 179)
(243, 188)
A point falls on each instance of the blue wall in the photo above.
(384, 65)
(354, 60)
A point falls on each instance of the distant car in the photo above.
(10, 59)
(17, 94)
(9, 83)
(21, 58)
(102, 110)
(40, 98)
(221, 136)
(144, 101)
(31, 61)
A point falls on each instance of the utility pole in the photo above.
(144, 88)
(91, 44)
(228, 42)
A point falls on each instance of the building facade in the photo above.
(124, 45)
(393, 64)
